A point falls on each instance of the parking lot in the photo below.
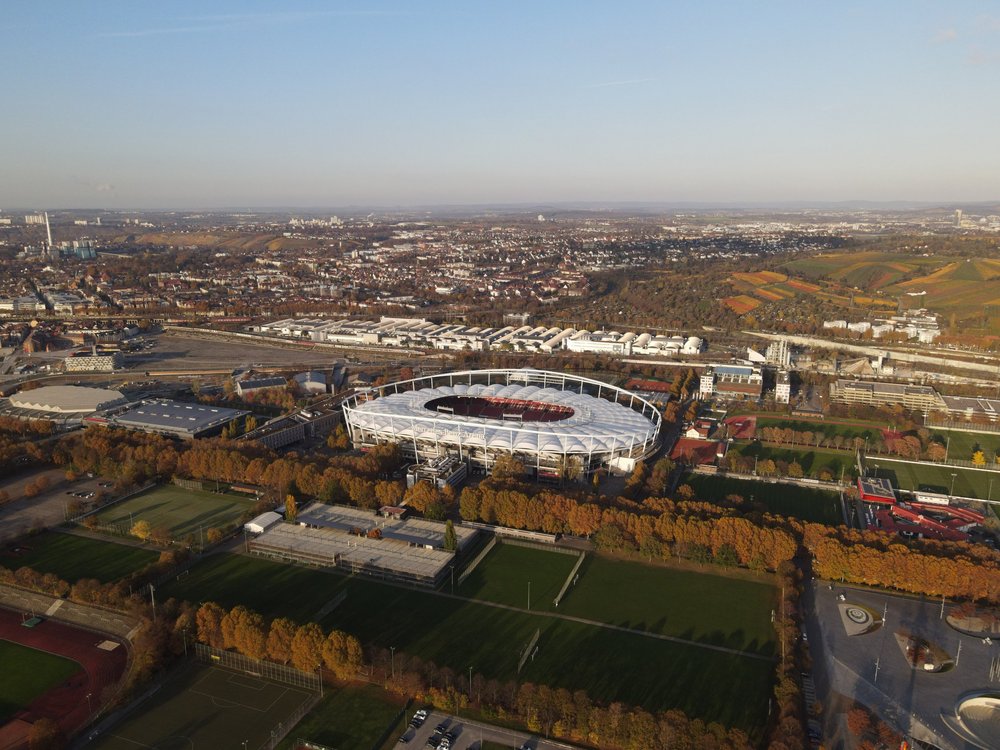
(45, 509)
(470, 735)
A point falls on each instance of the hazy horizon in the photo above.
(125, 105)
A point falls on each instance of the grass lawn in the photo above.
(349, 718)
(183, 512)
(695, 606)
(820, 506)
(936, 477)
(28, 673)
(504, 575)
(74, 557)
(811, 460)
(271, 588)
(459, 633)
(961, 445)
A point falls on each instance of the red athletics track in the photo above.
(67, 703)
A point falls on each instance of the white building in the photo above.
(783, 387)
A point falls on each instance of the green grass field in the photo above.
(811, 460)
(820, 506)
(74, 557)
(26, 674)
(183, 512)
(695, 606)
(460, 633)
(268, 587)
(504, 575)
(350, 718)
(206, 707)
(961, 445)
(937, 478)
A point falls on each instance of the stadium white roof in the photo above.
(597, 424)
(67, 399)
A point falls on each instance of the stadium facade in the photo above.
(556, 424)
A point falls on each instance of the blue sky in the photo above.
(211, 104)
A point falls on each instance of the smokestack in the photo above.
(48, 229)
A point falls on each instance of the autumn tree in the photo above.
(208, 620)
(506, 468)
(307, 647)
(341, 654)
(279, 640)
(388, 493)
(422, 495)
(141, 530)
(291, 510)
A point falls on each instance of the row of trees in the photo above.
(282, 640)
(952, 569)
(117, 594)
(660, 529)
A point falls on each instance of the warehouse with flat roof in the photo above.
(174, 418)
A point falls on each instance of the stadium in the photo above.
(556, 424)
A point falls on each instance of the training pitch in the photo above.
(74, 557)
(640, 669)
(820, 506)
(207, 708)
(181, 511)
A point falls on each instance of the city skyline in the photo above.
(387, 104)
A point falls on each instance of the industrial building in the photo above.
(554, 423)
(291, 428)
(173, 418)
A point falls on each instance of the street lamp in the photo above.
(470, 683)
(529, 594)
(951, 492)
(90, 707)
(392, 650)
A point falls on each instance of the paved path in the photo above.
(95, 618)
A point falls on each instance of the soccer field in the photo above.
(74, 557)
(791, 500)
(26, 673)
(207, 708)
(695, 606)
(183, 512)
(458, 633)
(508, 572)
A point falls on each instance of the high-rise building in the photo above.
(958, 217)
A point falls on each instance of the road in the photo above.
(911, 700)
(471, 735)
